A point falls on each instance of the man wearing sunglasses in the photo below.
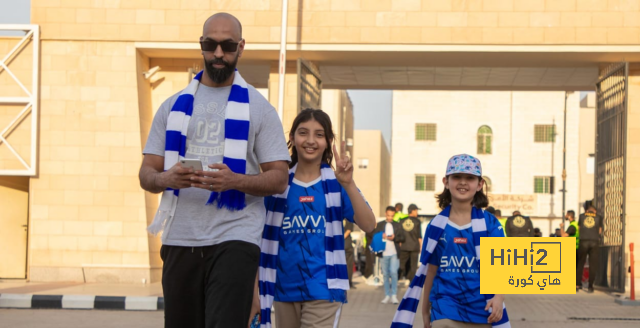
(210, 244)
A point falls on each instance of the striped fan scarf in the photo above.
(336, 265)
(236, 133)
(409, 305)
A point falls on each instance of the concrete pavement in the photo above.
(363, 310)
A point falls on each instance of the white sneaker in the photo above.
(385, 300)
(394, 300)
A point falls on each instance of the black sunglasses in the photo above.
(212, 45)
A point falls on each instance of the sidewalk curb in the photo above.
(82, 302)
(627, 302)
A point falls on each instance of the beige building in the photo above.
(511, 133)
(338, 106)
(78, 147)
(372, 169)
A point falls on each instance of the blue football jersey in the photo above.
(301, 265)
(455, 294)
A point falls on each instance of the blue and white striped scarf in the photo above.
(409, 305)
(236, 133)
(336, 264)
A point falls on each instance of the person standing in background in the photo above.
(503, 221)
(518, 225)
(393, 234)
(590, 227)
(410, 248)
(398, 214)
(348, 249)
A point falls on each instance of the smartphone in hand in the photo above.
(194, 164)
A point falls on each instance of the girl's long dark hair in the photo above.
(480, 199)
(321, 117)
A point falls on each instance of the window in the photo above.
(488, 183)
(543, 185)
(425, 131)
(425, 182)
(363, 163)
(544, 133)
(485, 135)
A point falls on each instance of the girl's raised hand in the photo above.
(344, 169)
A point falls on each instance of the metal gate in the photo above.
(611, 137)
(310, 86)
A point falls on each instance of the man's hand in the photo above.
(177, 177)
(495, 304)
(221, 180)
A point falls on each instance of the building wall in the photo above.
(350, 21)
(87, 211)
(516, 158)
(374, 180)
(338, 106)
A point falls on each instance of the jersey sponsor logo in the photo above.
(308, 224)
(518, 221)
(408, 224)
(306, 199)
(465, 262)
(460, 240)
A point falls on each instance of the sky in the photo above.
(372, 111)
(15, 12)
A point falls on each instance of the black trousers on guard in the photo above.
(591, 248)
(408, 264)
(350, 259)
(209, 287)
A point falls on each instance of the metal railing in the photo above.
(30, 102)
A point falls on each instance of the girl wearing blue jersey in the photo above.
(450, 256)
(303, 265)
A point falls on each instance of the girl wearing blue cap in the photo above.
(450, 270)
(303, 265)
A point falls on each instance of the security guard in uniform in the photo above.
(410, 248)
(590, 227)
(498, 215)
(572, 231)
(519, 226)
(399, 215)
(503, 221)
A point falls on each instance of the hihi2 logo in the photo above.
(527, 265)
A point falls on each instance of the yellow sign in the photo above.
(527, 265)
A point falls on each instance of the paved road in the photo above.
(365, 310)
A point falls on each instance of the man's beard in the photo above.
(220, 75)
